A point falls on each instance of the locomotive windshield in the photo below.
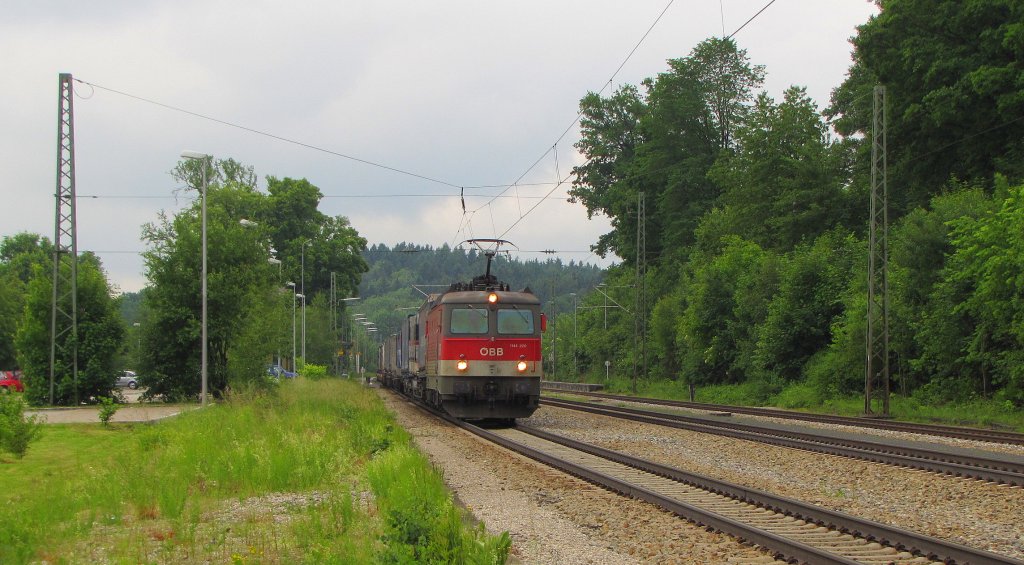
(469, 321)
(515, 322)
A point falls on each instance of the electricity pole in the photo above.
(640, 322)
(64, 308)
(877, 342)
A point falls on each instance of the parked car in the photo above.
(11, 380)
(127, 379)
(279, 371)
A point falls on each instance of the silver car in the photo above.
(127, 379)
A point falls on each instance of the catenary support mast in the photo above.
(877, 342)
(640, 319)
(64, 308)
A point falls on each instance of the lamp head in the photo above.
(194, 155)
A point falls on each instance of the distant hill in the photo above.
(388, 290)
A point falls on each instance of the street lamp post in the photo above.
(302, 282)
(575, 362)
(138, 336)
(273, 261)
(301, 297)
(358, 347)
(344, 330)
(292, 285)
(204, 159)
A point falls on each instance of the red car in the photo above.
(11, 380)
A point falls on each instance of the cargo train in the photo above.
(473, 350)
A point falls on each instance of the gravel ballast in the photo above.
(970, 512)
(553, 518)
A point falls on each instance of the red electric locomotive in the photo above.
(473, 350)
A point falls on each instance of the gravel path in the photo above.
(132, 410)
(125, 413)
(553, 518)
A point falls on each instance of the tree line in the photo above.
(757, 211)
(257, 243)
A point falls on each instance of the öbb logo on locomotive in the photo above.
(473, 350)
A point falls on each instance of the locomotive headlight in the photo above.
(521, 365)
(492, 298)
(462, 364)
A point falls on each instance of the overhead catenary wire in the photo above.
(271, 135)
(398, 195)
(464, 225)
(963, 139)
(606, 84)
(609, 83)
(514, 224)
(368, 250)
(752, 18)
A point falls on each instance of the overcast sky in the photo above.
(468, 93)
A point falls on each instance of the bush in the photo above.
(108, 407)
(421, 524)
(940, 391)
(798, 395)
(16, 431)
(315, 372)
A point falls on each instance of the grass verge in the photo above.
(799, 396)
(316, 473)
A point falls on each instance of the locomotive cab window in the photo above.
(468, 321)
(515, 322)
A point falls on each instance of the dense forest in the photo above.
(757, 211)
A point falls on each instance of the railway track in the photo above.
(791, 530)
(959, 465)
(976, 434)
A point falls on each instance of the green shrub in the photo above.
(421, 523)
(797, 395)
(315, 372)
(16, 431)
(108, 407)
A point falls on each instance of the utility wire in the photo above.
(576, 120)
(963, 139)
(423, 195)
(514, 224)
(271, 135)
(607, 83)
(731, 35)
(464, 224)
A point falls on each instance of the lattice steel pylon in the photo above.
(336, 358)
(64, 311)
(640, 294)
(877, 341)
(334, 302)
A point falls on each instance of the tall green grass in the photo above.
(287, 477)
(421, 525)
(802, 396)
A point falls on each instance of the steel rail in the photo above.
(779, 545)
(960, 466)
(976, 434)
(898, 538)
